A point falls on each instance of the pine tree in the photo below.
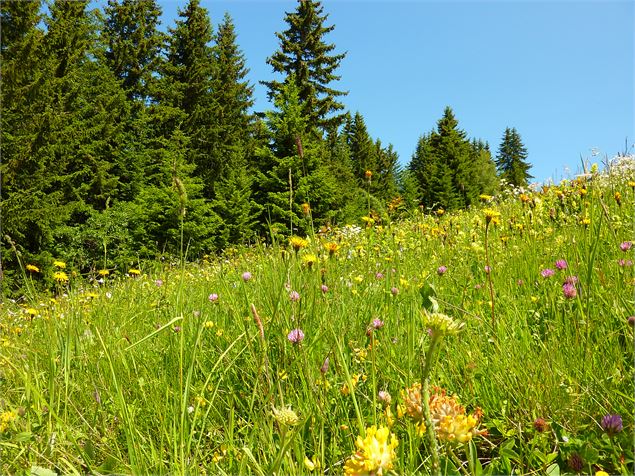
(133, 44)
(485, 177)
(363, 151)
(304, 54)
(511, 159)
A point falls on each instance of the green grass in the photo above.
(156, 379)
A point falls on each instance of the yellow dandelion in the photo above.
(59, 264)
(31, 311)
(134, 272)
(309, 260)
(103, 272)
(298, 243)
(331, 247)
(631, 183)
(618, 198)
(586, 221)
(368, 220)
(60, 276)
(491, 216)
(306, 208)
(485, 198)
(440, 211)
(524, 198)
(368, 174)
(32, 268)
(375, 453)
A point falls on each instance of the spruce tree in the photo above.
(305, 55)
(133, 44)
(363, 151)
(511, 159)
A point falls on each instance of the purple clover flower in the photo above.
(561, 264)
(246, 276)
(379, 275)
(487, 269)
(626, 245)
(611, 424)
(547, 272)
(441, 270)
(213, 297)
(294, 296)
(394, 291)
(296, 336)
(377, 323)
(324, 288)
(569, 290)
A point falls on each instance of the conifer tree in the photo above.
(511, 159)
(363, 151)
(306, 55)
(133, 44)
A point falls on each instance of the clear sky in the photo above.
(561, 73)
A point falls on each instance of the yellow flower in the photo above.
(208, 324)
(200, 401)
(31, 312)
(60, 276)
(368, 220)
(59, 264)
(485, 198)
(285, 416)
(601, 473)
(32, 268)
(368, 174)
(6, 418)
(524, 198)
(311, 464)
(309, 260)
(491, 216)
(586, 221)
(306, 208)
(440, 211)
(331, 247)
(134, 272)
(103, 272)
(631, 183)
(298, 243)
(375, 453)
(618, 198)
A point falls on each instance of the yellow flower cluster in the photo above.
(6, 418)
(451, 423)
(298, 243)
(60, 276)
(375, 453)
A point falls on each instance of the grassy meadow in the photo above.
(490, 341)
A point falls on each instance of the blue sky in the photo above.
(561, 73)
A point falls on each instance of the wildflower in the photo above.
(377, 323)
(524, 198)
(158, 283)
(384, 397)
(394, 291)
(441, 323)
(625, 262)
(31, 312)
(59, 264)
(298, 243)
(626, 245)
(379, 275)
(375, 453)
(575, 462)
(561, 264)
(324, 288)
(368, 174)
(440, 211)
(60, 276)
(618, 198)
(6, 418)
(208, 324)
(569, 290)
(325, 366)
(176, 329)
(294, 296)
(601, 473)
(32, 268)
(285, 416)
(309, 464)
(571, 280)
(631, 321)
(309, 260)
(296, 336)
(611, 424)
(441, 270)
(134, 272)
(306, 208)
(246, 276)
(547, 272)
(331, 247)
(491, 216)
(103, 272)
(586, 221)
(213, 297)
(346, 390)
(487, 269)
(540, 425)
(368, 220)
(631, 183)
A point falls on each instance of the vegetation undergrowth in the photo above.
(324, 354)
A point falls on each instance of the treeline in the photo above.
(121, 142)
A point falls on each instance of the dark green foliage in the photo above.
(133, 44)
(306, 56)
(451, 171)
(511, 159)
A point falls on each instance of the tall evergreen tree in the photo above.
(363, 151)
(511, 159)
(133, 43)
(304, 54)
